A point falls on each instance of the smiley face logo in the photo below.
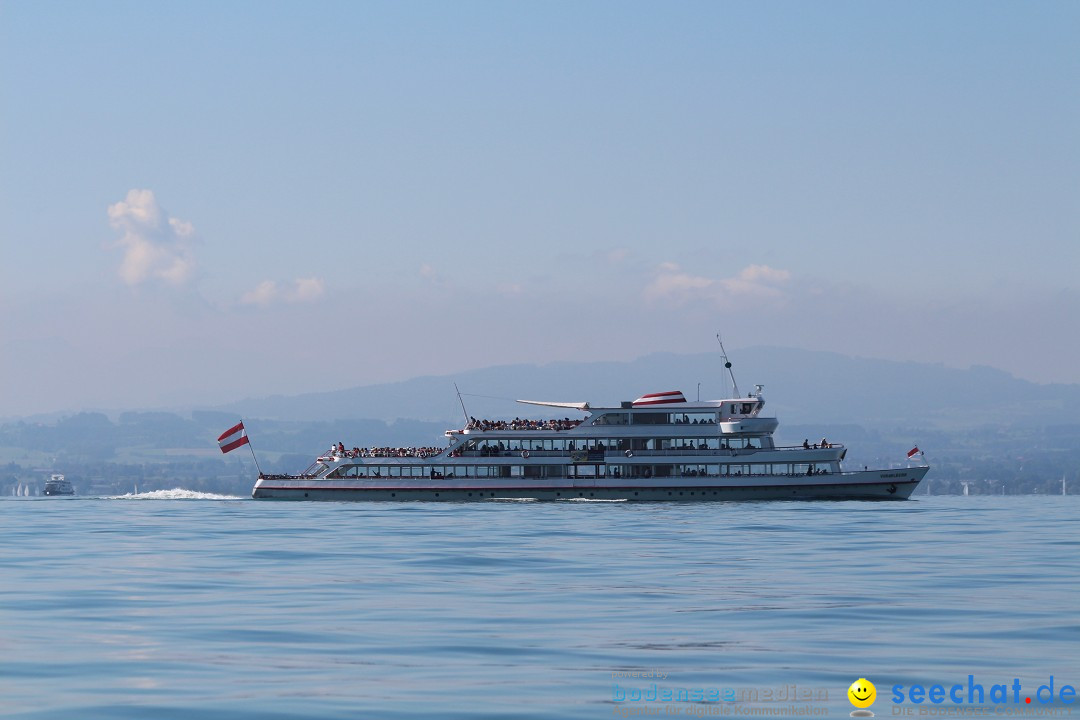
(862, 693)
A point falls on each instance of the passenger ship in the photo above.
(58, 485)
(659, 447)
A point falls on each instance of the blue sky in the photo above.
(206, 201)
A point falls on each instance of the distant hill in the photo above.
(801, 387)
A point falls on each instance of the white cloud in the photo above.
(756, 281)
(263, 294)
(671, 283)
(674, 285)
(306, 290)
(764, 273)
(617, 256)
(155, 245)
(268, 292)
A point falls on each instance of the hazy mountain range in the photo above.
(801, 387)
(975, 423)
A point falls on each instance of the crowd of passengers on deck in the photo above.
(486, 448)
(519, 424)
(340, 451)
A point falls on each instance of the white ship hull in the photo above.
(893, 484)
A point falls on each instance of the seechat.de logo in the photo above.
(862, 695)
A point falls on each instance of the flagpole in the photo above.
(252, 449)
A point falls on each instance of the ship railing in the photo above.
(522, 425)
(719, 452)
(613, 452)
(680, 476)
(813, 446)
(616, 453)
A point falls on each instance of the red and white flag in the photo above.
(913, 452)
(661, 398)
(233, 438)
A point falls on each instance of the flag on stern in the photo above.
(233, 438)
(913, 452)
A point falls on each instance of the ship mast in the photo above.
(727, 366)
(463, 410)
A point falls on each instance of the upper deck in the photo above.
(666, 414)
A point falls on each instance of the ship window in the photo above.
(651, 418)
(694, 418)
(612, 419)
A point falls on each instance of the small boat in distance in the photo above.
(57, 484)
(659, 447)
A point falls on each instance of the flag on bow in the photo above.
(913, 452)
(233, 438)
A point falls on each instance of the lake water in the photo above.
(173, 605)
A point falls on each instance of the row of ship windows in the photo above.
(621, 444)
(673, 418)
(580, 470)
(656, 418)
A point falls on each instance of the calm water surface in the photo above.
(234, 609)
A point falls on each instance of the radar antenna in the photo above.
(727, 366)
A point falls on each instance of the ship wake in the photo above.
(175, 494)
